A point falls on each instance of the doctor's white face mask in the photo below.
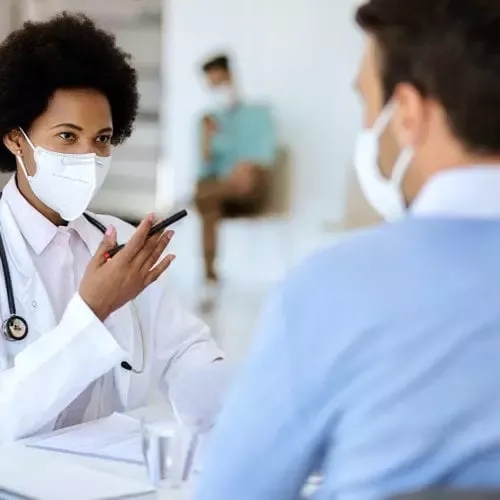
(384, 194)
(65, 182)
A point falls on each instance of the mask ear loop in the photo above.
(402, 165)
(20, 157)
(405, 157)
(27, 139)
(382, 122)
(22, 165)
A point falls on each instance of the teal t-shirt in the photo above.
(244, 134)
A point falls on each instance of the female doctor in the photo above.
(82, 336)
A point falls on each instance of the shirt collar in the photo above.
(463, 192)
(37, 230)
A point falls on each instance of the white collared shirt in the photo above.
(59, 253)
(462, 192)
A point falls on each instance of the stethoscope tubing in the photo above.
(8, 279)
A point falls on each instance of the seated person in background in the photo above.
(76, 348)
(238, 146)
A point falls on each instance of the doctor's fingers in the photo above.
(107, 243)
(145, 252)
(138, 240)
(157, 252)
(159, 269)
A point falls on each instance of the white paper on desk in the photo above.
(117, 437)
(31, 474)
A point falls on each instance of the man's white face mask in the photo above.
(65, 182)
(384, 194)
(223, 96)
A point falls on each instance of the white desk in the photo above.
(119, 469)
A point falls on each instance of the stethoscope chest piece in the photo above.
(15, 328)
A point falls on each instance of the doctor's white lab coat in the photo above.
(57, 362)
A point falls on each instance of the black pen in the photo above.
(154, 230)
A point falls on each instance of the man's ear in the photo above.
(409, 116)
(12, 142)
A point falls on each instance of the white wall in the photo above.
(300, 54)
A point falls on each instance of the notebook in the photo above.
(117, 437)
(30, 474)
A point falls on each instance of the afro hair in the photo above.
(66, 52)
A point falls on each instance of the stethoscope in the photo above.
(15, 328)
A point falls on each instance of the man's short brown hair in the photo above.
(219, 62)
(449, 50)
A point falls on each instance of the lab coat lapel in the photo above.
(121, 323)
(32, 299)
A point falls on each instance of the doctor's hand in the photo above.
(107, 285)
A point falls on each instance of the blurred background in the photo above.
(297, 56)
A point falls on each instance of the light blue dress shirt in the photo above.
(244, 133)
(377, 362)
